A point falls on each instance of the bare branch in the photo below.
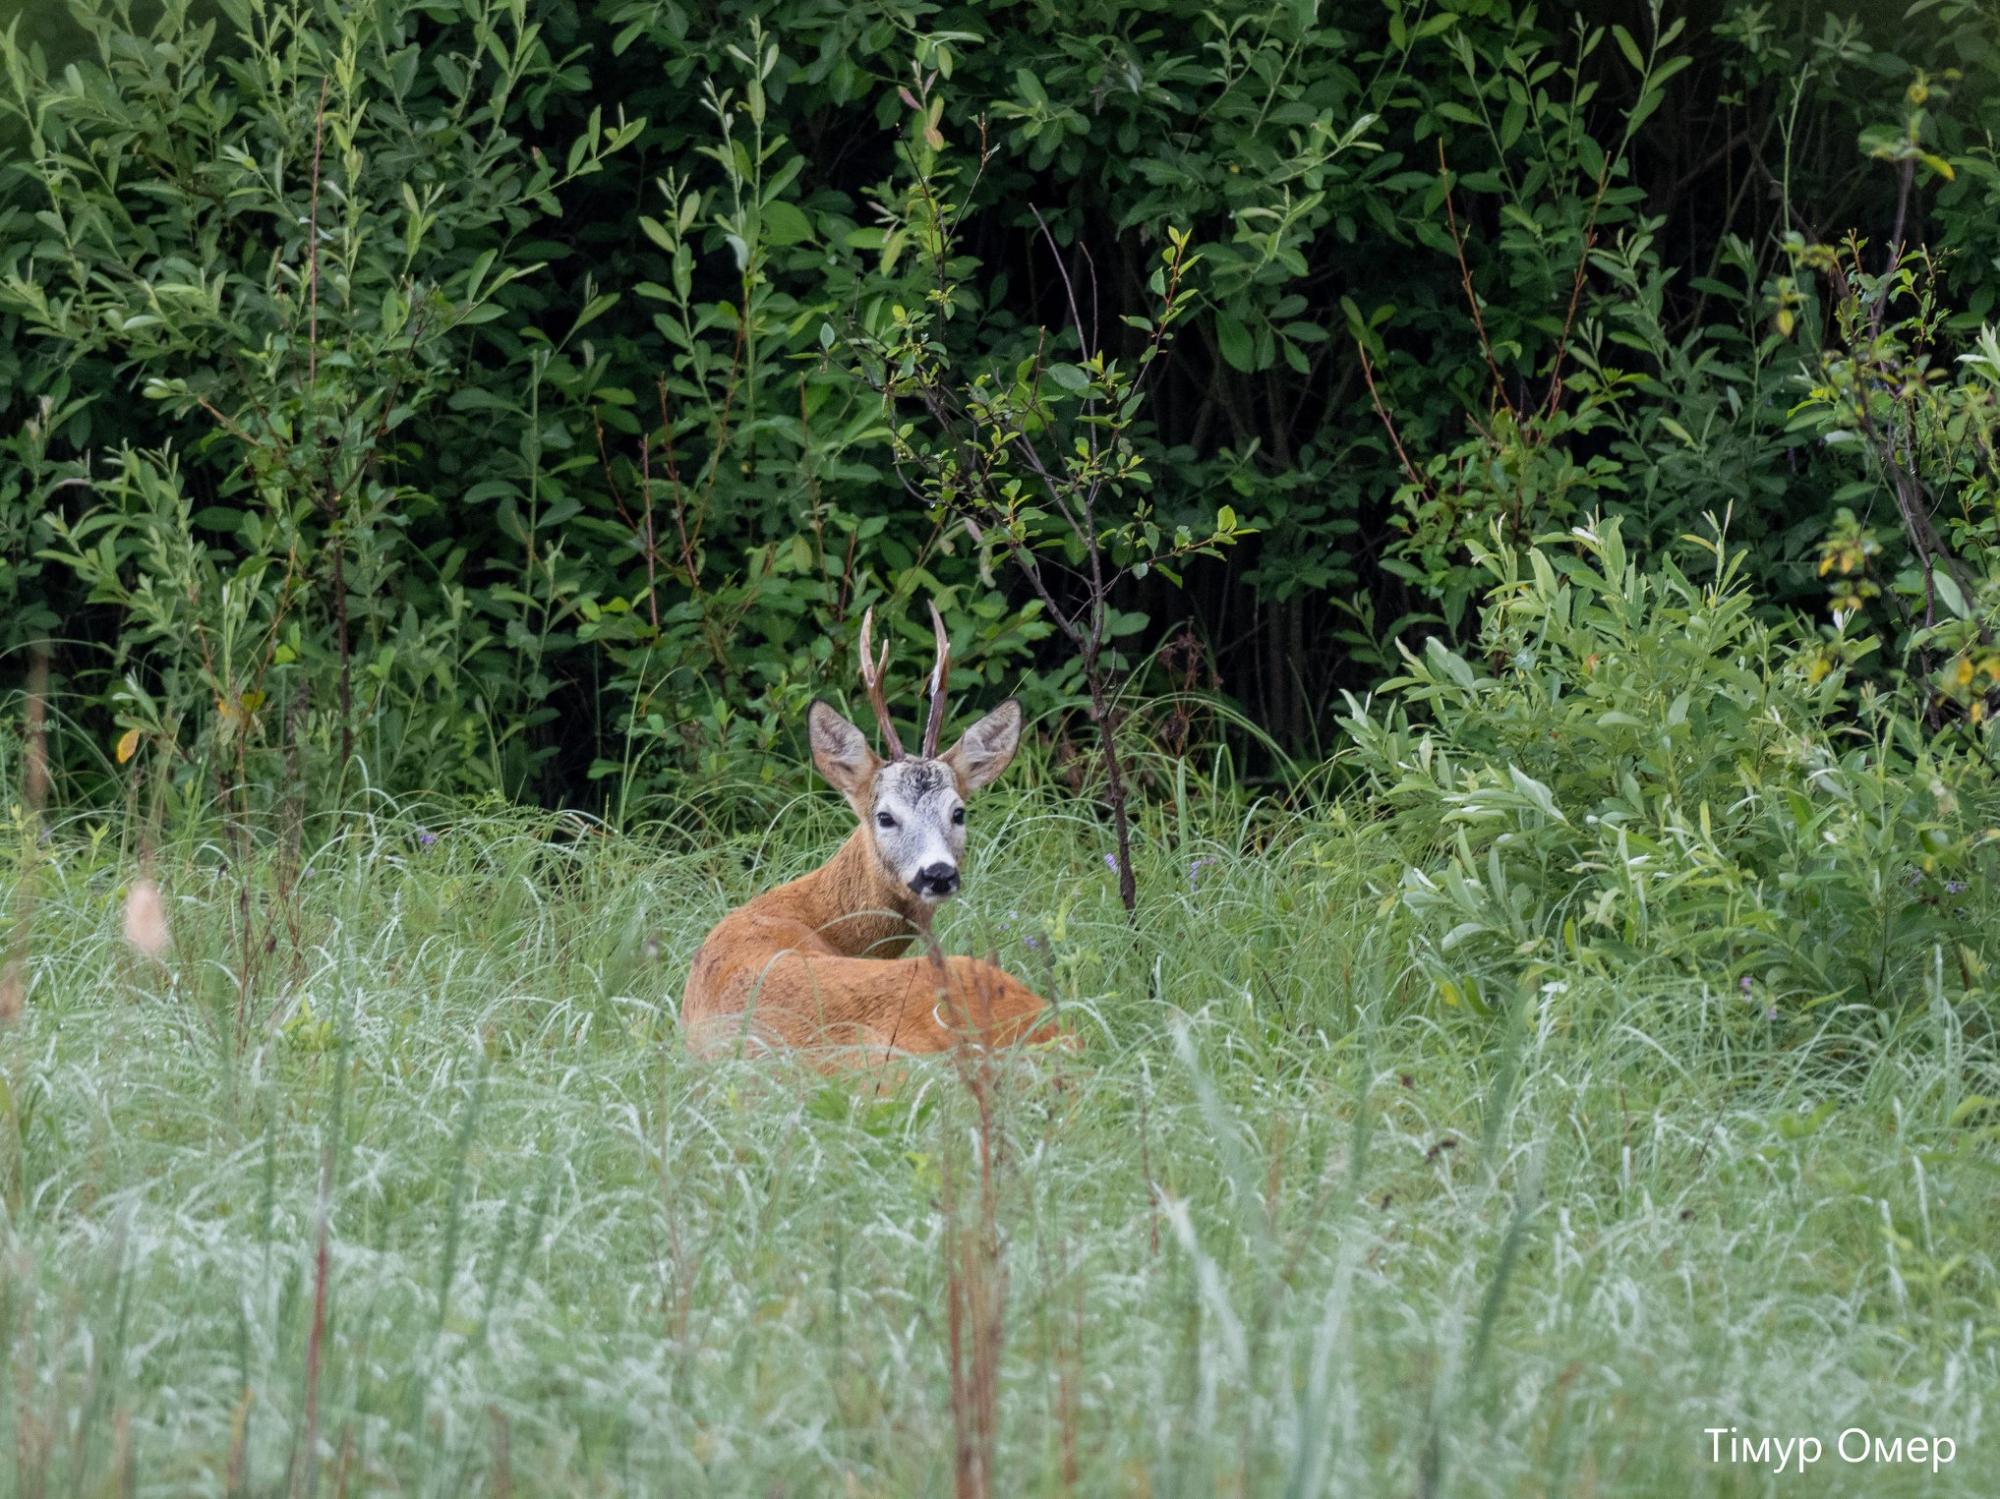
(1069, 290)
(1905, 179)
(1375, 399)
(1465, 280)
(1084, 340)
(312, 242)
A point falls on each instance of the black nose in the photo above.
(936, 879)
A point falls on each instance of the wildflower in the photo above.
(426, 837)
(1195, 869)
(1745, 986)
(1954, 887)
(1111, 862)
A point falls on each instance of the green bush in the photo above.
(1632, 770)
(503, 350)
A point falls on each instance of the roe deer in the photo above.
(815, 965)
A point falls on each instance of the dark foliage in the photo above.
(489, 393)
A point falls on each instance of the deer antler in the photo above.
(939, 671)
(872, 666)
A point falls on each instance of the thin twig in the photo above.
(1075, 317)
(1375, 399)
(1905, 180)
(1554, 396)
(305, 1476)
(1465, 280)
(312, 242)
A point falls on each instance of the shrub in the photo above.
(523, 414)
(1633, 770)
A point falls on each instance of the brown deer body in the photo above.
(817, 965)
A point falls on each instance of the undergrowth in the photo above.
(1287, 1224)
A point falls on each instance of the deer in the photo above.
(816, 966)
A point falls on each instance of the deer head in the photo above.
(912, 808)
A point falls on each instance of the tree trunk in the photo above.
(1114, 780)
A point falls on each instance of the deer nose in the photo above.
(936, 879)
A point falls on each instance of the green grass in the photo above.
(1288, 1225)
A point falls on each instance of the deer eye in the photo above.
(884, 820)
(958, 816)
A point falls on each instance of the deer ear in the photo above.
(987, 748)
(839, 749)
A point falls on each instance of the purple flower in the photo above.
(426, 837)
(1195, 869)
(1744, 985)
(1111, 862)
(1954, 887)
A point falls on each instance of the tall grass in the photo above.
(456, 1214)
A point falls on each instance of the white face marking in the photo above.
(918, 821)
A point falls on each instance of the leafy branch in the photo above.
(1039, 462)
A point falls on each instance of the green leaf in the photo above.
(477, 276)
(1668, 69)
(1948, 592)
(1443, 659)
(1590, 156)
(1629, 47)
(1535, 792)
(1235, 342)
(1971, 1105)
(785, 225)
(595, 309)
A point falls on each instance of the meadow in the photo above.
(437, 1205)
(1500, 502)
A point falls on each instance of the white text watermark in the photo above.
(1855, 1445)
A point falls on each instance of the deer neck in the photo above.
(857, 907)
